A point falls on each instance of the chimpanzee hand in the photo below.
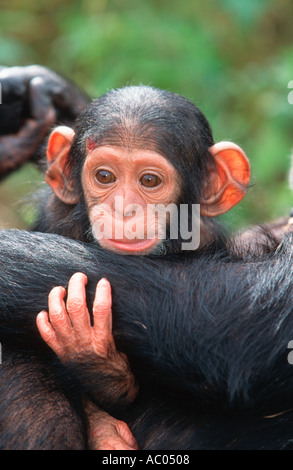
(106, 432)
(18, 147)
(88, 351)
(34, 99)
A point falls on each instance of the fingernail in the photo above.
(42, 313)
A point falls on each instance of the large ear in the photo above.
(58, 148)
(227, 185)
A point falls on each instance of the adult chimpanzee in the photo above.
(206, 336)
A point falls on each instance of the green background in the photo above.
(234, 59)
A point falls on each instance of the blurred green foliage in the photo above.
(234, 59)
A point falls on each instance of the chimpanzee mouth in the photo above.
(131, 246)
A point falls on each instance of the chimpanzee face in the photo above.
(121, 187)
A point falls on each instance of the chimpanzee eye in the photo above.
(105, 177)
(150, 181)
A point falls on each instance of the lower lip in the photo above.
(132, 247)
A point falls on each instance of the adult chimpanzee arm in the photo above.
(215, 327)
(34, 99)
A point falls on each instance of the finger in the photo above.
(58, 316)
(14, 84)
(102, 309)
(76, 303)
(126, 435)
(41, 102)
(47, 332)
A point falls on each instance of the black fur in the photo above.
(206, 335)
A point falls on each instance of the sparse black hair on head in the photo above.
(153, 119)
